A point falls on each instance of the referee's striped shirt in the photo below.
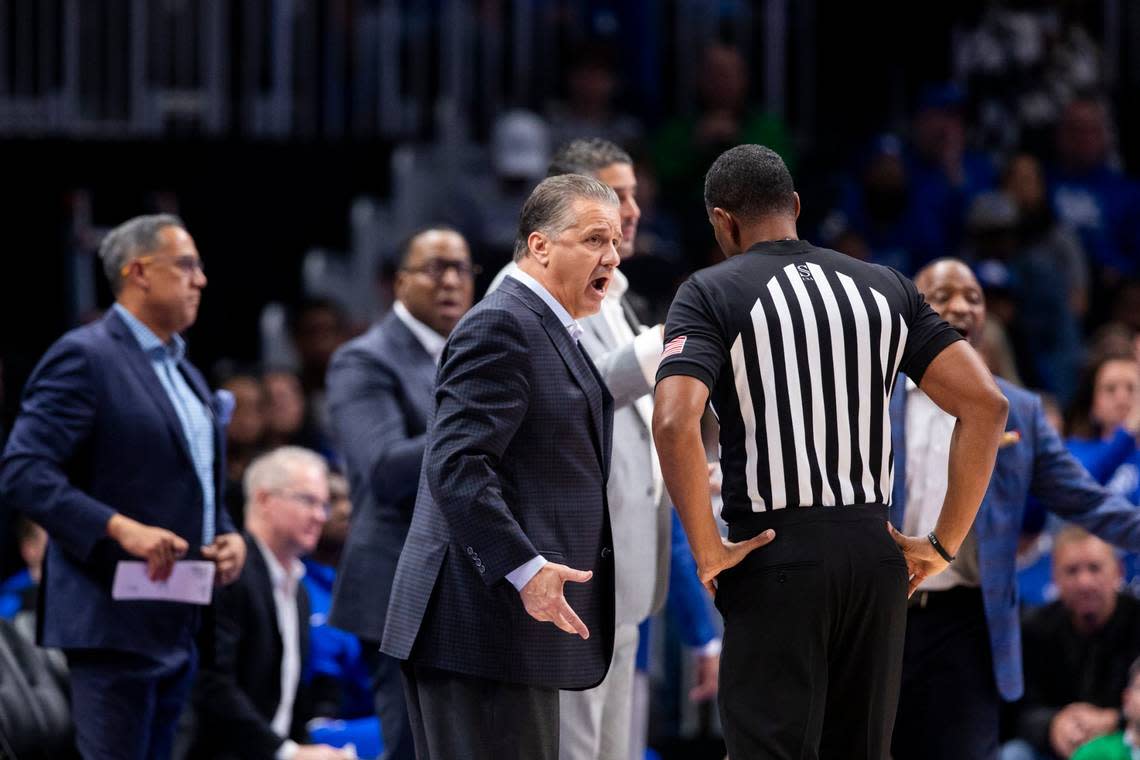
(800, 347)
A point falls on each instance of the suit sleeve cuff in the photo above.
(647, 348)
(522, 574)
(287, 750)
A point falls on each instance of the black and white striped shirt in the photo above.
(800, 347)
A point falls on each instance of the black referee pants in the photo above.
(813, 639)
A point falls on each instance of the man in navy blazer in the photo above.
(380, 395)
(512, 500)
(117, 453)
(963, 641)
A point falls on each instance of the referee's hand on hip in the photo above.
(922, 559)
(731, 556)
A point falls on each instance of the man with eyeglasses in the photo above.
(117, 453)
(253, 700)
(379, 398)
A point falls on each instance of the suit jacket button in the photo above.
(606, 552)
(470, 552)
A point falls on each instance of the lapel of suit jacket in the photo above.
(898, 446)
(581, 368)
(139, 363)
(261, 584)
(409, 350)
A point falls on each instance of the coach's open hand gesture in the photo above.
(542, 596)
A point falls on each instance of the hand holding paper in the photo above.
(158, 546)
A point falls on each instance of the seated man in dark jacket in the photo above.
(252, 701)
(1078, 649)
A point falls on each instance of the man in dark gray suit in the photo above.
(379, 391)
(512, 501)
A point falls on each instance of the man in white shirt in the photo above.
(379, 397)
(251, 701)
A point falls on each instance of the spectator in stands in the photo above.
(592, 85)
(878, 207)
(1125, 744)
(117, 454)
(1092, 196)
(287, 422)
(1104, 422)
(944, 174)
(244, 437)
(318, 327)
(1023, 180)
(340, 677)
(1053, 297)
(18, 593)
(961, 659)
(684, 147)
(252, 699)
(380, 395)
(1076, 652)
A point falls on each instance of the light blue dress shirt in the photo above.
(197, 423)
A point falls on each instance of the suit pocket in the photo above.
(553, 556)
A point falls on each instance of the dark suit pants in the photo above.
(949, 706)
(126, 706)
(388, 698)
(813, 638)
(458, 717)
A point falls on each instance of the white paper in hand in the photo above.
(191, 582)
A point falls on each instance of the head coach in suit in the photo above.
(512, 500)
(117, 452)
(380, 395)
(594, 724)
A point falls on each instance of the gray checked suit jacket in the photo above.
(516, 465)
(640, 517)
(379, 393)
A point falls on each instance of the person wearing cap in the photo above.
(962, 656)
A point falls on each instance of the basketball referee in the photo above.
(797, 348)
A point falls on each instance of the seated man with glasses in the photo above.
(252, 700)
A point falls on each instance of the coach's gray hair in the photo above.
(549, 208)
(277, 468)
(131, 239)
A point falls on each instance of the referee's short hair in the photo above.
(587, 155)
(750, 182)
(550, 207)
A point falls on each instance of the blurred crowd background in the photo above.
(301, 141)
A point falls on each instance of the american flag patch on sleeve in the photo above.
(673, 347)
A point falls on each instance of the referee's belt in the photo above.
(956, 596)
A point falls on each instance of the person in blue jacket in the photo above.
(1104, 422)
(962, 655)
